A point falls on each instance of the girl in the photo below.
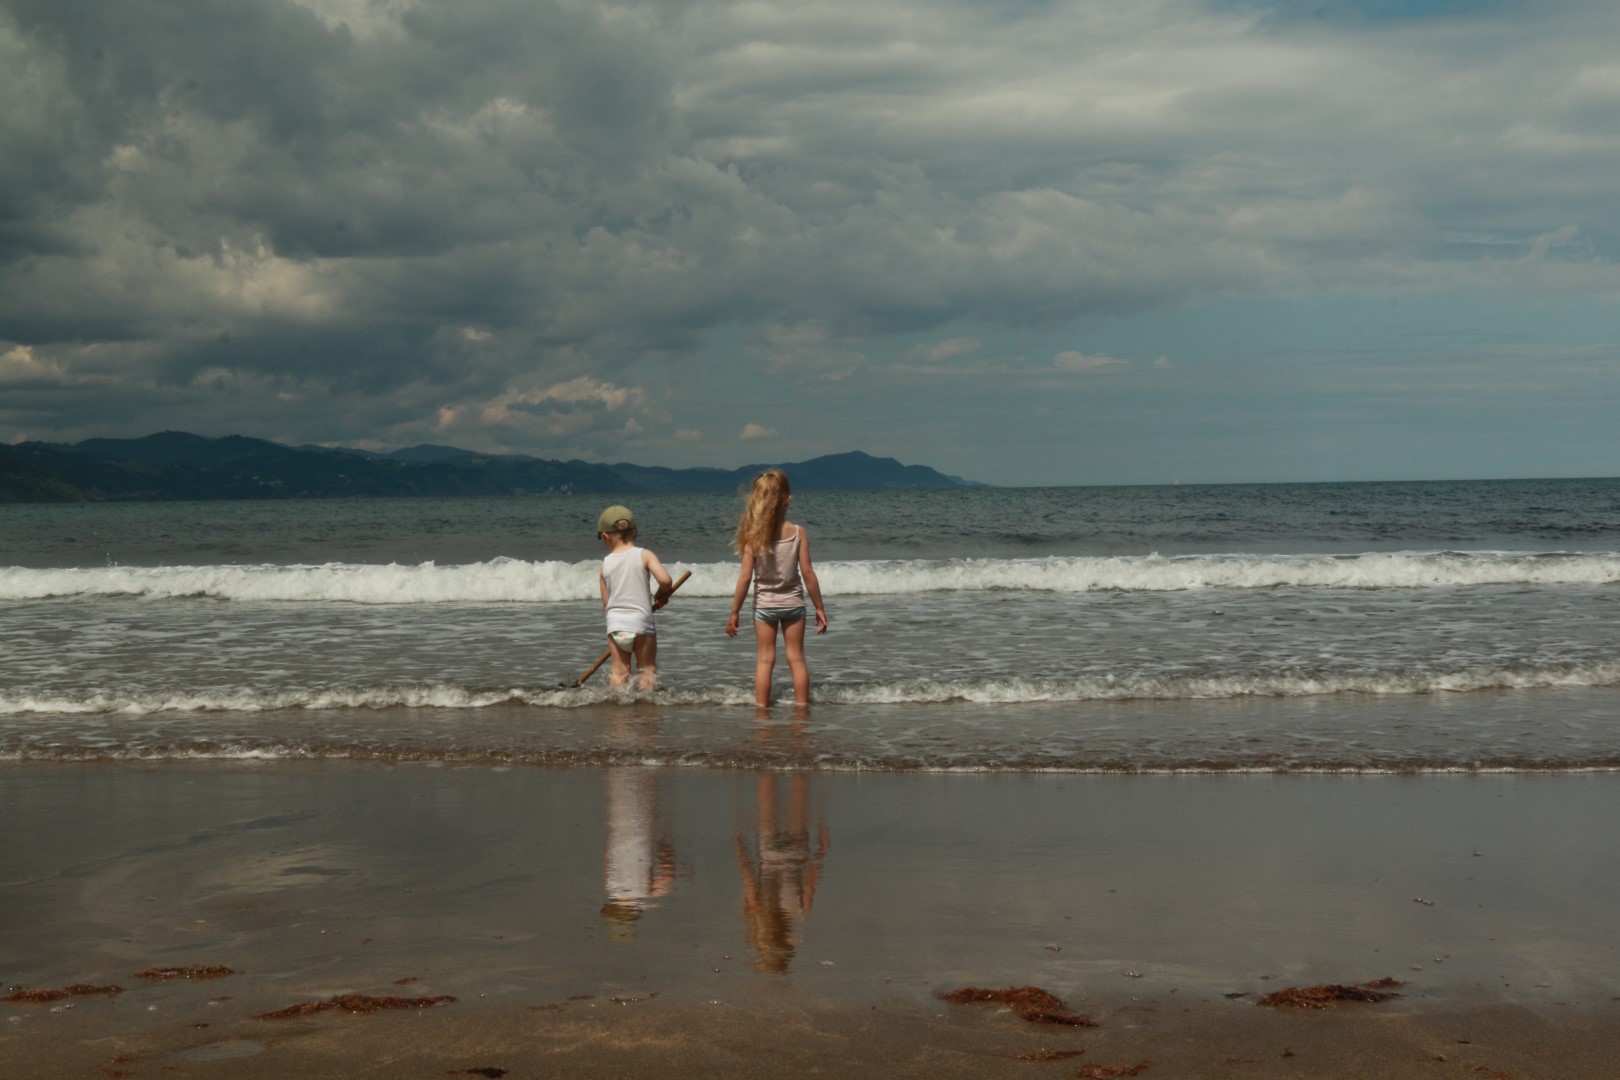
(776, 558)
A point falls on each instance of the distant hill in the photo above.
(178, 465)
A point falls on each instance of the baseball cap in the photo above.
(615, 519)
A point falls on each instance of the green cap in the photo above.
(615, 519)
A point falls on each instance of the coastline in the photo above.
(613, 921)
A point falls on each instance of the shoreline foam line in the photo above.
(229, 753)
(992, 690)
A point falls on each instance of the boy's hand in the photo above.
(661, 597)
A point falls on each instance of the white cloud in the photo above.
(20, 364)
(365, 19)
(581, 412)
(1076, 361)
(584, 390)
(943, 350)
(805, 352)
(757, 431)
(689, 435)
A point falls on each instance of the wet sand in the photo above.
(611, 922)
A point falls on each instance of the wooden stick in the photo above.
(604, 658)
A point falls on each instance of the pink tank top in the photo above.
(776, 575)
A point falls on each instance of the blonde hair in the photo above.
(764, 513)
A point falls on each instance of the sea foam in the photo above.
(515, 580)
(982, 690)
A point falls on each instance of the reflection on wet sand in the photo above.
(781, 872)
(639, 863)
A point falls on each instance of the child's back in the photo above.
(777, 581)
(629, 600)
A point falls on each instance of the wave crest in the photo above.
(505, 580)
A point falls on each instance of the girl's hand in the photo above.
(731, 625)
(821, 621)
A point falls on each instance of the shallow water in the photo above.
(527, 886)
(1278, 627)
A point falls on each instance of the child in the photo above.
(776, 558)
(627, 600)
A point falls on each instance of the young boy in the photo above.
(627, 599)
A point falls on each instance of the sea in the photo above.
(1469, 626)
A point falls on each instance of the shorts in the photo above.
(779, 616)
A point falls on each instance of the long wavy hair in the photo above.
(763, 516)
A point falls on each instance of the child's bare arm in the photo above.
(666, 584)
(741, 591)
(812, 584)
(601, 583)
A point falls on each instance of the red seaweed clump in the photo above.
(76, 990)
(1100, 1072)
(1031, 1003)
(1327, 995)
(191, 971)
(354, 1003)
(1049, 1055)
(492, 1072)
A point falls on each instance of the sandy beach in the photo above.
(592, 922)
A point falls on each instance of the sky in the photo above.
(1020, 241)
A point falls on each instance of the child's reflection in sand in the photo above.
(780, 875)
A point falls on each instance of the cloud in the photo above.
(757, 431)
(336, 218)
(581, 412)
(805, 352)
(689, 435)
(20, 366)
(1075, 361)
(938, 351)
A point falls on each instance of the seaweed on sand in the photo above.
(1099, 1072)
(76, 990)
(191, 971)
(1031, 1003)
(355, 1003)
(1326, 995)
(1049, 1055)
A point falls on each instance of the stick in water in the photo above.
(604, 658)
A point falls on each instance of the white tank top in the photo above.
(629, 606)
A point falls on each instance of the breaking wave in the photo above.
(515, 580)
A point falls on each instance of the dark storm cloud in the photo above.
(402, 219)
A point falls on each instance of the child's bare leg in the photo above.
(793, 638)
(621, 664)
(764, 661)
(646, 649)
